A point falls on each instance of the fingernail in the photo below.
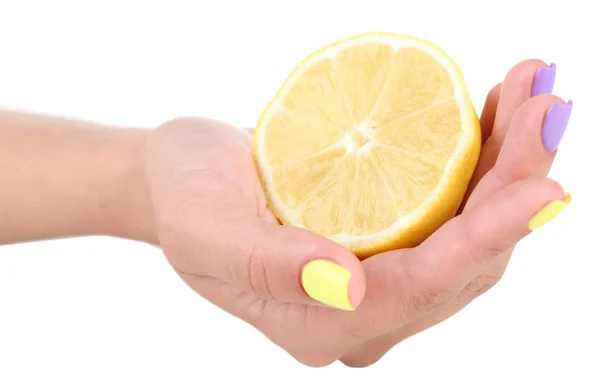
(549, 212)
(555, 124)
(543, 82)
(327, 282)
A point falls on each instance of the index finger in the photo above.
(402, 285)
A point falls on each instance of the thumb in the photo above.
(295, 265)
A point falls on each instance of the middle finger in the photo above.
(525, 152)
(526, 79)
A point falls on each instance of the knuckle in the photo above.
(255, 272)
(247, 307)
(484, 247)
(256, 310)
(421, 297)
(483, 282)
(429, 298)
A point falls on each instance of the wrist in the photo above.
(129, 213)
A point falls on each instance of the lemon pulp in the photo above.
(371, 142)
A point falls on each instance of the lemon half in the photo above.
(371, 141)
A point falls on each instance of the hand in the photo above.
(216, 230)
(214, 226)
(469, 255)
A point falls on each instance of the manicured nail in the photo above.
(555, 124)
(544, 80)
(549, 212)
(327, 282)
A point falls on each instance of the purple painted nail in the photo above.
(555, 124)
(544, 80)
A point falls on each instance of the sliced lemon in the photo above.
(371, 142)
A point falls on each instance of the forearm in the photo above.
(63, 178)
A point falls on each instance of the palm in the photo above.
(205, 168)
(227, 173)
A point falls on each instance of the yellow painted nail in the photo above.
(549, 212)
(327, 282)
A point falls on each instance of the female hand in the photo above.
(216, 230)
(522, 126)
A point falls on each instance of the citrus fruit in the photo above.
(371, 141)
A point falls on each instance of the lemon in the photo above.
(371, 142)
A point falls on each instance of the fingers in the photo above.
(403, 285)
(528, 150)
(519, 85)
(472, 243)
(473, 240)
(526, 79)
(526, 156)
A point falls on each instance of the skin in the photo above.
(190, 187)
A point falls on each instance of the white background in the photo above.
(106, 313)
